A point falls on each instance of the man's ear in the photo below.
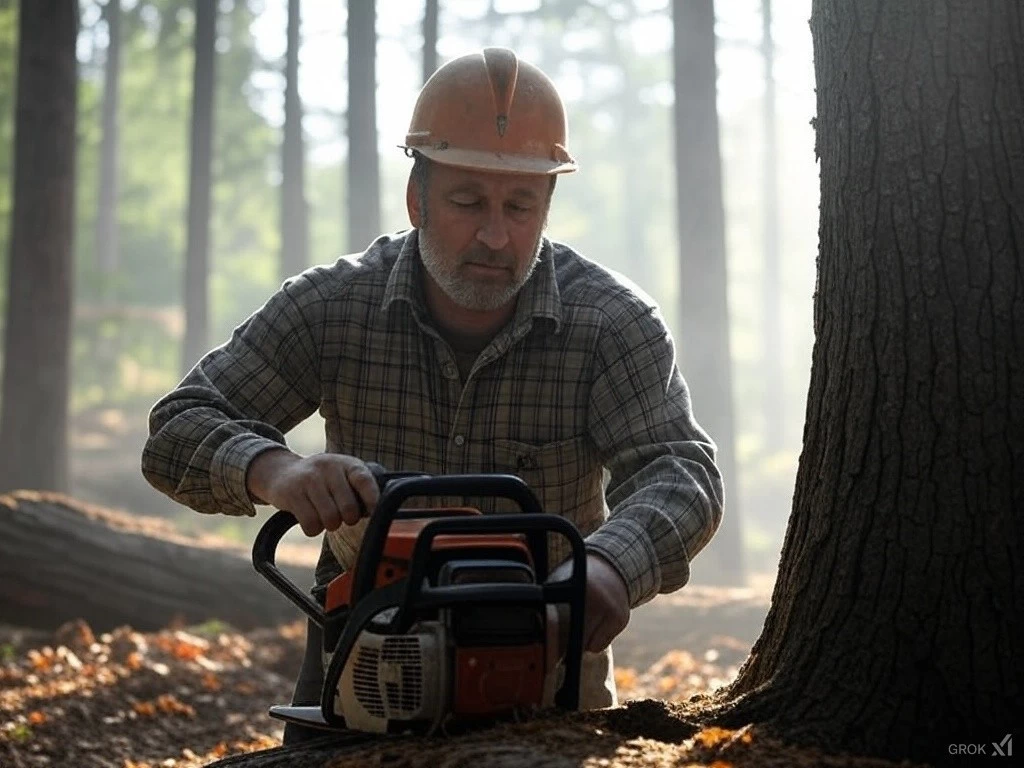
(412, 203)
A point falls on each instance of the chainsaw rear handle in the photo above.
(395, 493)
(264, 550)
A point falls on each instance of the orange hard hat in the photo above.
(491, 111)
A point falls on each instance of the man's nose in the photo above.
(493, 232)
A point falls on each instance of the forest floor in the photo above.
(187, 697)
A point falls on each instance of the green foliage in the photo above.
(127, 332)
(211, 629)
(20, 733)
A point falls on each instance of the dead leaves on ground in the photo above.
(678, 675)
(194, 695)
(138, 695)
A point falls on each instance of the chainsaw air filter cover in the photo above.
(395, 678)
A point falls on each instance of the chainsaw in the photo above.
(446, 616)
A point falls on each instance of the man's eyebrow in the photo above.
(466, 186)
(472, 187)
(524, 192)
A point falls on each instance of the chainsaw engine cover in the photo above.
(467, 661)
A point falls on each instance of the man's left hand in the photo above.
(606, 612)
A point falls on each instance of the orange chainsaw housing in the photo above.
(487, 679)
(398, 549)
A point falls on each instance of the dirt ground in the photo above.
(189, 697)
(184, 697)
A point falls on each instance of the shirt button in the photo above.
(449, 371)
(460, 440)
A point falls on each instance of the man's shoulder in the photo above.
(590, 287)
(367, 271)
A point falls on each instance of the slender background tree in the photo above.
(197, 257)
(106, 214)
(294, 211)
(773, 347)
(704, 345)
(363, 179)
(37, 331)
(431, 14)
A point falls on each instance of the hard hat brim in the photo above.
(497, 162)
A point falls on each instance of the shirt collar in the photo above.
(538, 298)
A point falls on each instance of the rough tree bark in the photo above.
(294, 212)
(363, 183)
(703, 296)
(62, 560)
(37, 332)
(197, 256)
(897, 623)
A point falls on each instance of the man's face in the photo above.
(481, 239)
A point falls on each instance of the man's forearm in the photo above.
(668, 513)
(200, 448)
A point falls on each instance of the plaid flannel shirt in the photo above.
(579, 395)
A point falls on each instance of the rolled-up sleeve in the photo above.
(237, 402)
(665, 491)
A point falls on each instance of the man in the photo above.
(470, 343)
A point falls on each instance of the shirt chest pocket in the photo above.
(565, 475)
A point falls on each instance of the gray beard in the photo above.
(465, 292)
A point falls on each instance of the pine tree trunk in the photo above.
(897, 623)
(431, 12)
(703, 305)
(106, 214)
(772, 345)
(294, 212)
(37, 333)
(363, 163)
(197, 257)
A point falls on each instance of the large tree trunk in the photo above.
(703, 304)
(363, 163)
(197, 257)
(773, 348)
(897, 623)
(34, 398)
(62, 560)
(294, 213)
(106, 212)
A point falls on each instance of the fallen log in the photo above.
(62, 559)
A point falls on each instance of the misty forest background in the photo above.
(615, 64)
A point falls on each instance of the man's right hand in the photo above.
(322, 491)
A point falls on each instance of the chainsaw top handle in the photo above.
(264, 549)
(396, 488)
